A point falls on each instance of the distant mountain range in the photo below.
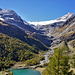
(61, 19)
(61, 29)
(12, 25)
(50, 33)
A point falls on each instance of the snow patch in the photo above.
(67, 16)
(45, 22)
(61, 19)
(2, 19)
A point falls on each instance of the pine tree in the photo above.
(58, 64)
(65, 66)
(54, 65)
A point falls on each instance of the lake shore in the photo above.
(30, 67)
(21, 65)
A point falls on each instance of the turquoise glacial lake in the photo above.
(25, 72)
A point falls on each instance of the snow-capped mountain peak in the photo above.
(67, 16)
(43, 22)
(61, 19)
(12, 17)
(9, 14)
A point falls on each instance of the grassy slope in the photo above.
(63, 45)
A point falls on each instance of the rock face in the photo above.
(49, 26)
(11, 17)
(48, 32)
(61, 29)
(16, 32)
(66, 32)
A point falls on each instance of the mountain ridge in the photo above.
(48, 31)
(61, 19)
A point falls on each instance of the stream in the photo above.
(47, 56)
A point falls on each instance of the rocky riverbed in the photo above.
(47, 56)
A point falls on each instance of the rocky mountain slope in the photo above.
(49, 26)
(61, 29)
(11, 16)
(50, 32)
(20, 40)
(66, 32)
(16, 32)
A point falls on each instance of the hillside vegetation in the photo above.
(13, 50)
(16, 32)
(58, 65)
(63, 60)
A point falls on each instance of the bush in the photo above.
(32, 62)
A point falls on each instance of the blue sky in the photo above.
(39, 10)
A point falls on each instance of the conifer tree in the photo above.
(58, 64)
